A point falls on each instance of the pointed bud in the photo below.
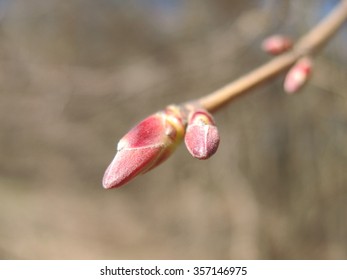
(202, 137)
(277, 44)
(298, 75)
(145, 146)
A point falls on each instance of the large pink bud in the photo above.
(145, 146)
(202, 137)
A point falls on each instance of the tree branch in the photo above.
(154, 139)
(307, 45)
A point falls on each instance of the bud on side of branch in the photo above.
(277, 44)
(202, 137)
(298, 75)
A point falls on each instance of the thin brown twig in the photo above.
(308, 44)
(155, 138)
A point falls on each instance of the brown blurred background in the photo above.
(76, 75)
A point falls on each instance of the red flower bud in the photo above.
(145, 146)
(277, 44)
(298, 75)
(202, 137)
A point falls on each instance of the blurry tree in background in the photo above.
(76, 75)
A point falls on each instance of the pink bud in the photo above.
(298, 75)
(202, 137)
(145, 146)
(277, 44)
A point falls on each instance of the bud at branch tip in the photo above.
(145, 146)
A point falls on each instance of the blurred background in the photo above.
(76, 75)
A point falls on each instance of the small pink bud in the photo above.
(202, 137)
(145, 146)
(298, 75)
(277, 44)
